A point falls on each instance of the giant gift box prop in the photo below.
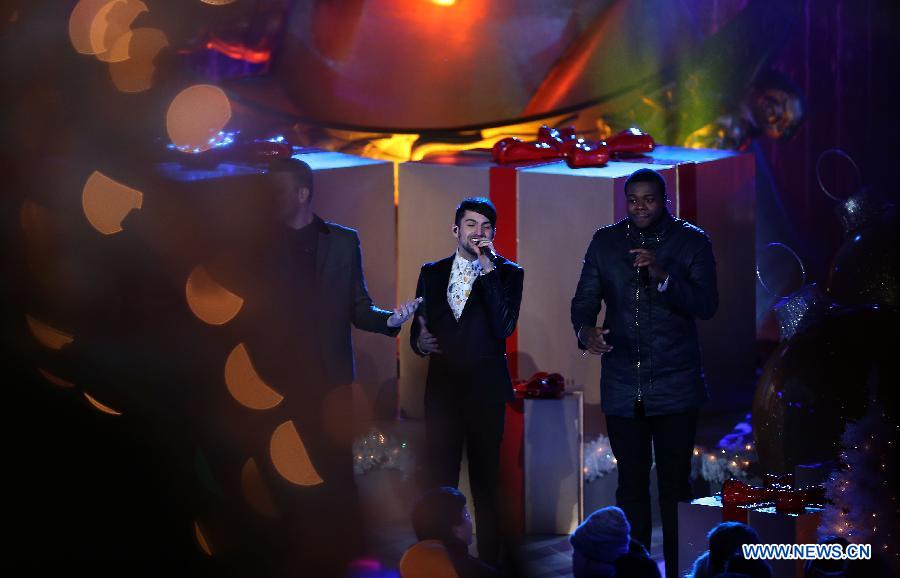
(779, 513)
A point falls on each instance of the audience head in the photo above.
(825, 567)
(636, 565)
(598, 542)
(741, 566)
(700, 569)
(441, 514)
(636, 548)
(726, 539)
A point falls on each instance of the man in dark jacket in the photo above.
(471, 305)
(303, 294)
(655, 274)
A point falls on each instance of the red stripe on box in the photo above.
(503, 192)
(686, 175)
(503, 182)
(512, 468)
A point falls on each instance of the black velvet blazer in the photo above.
(473, 350)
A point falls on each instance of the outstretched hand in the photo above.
(403, 312)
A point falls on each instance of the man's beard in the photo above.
(469, 251)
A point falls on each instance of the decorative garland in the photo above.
(377, 451)
(719, 465)
(732, 458)
(598, 459)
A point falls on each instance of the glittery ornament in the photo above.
(817, 380)
(801, 310)
(865, 268)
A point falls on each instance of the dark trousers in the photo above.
(634, 442)
(450, 423)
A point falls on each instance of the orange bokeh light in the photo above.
(56, 380)
(113, 22)
(142, 46)
(290, 458)
(197, 114)
(255, 490)
(81, 23)
(106, 202)
(100, 406)
(209, 301)
(244, 383)
(201, 539)
(48, 336)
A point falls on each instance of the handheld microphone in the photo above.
(647, 241)
(644, 273)
(487, 252)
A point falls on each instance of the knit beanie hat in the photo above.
(599, 541)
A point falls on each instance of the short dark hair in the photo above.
(301, 173)
(752, 568)
(437, 512)
(726, 539)
(647, 176)
(480, 205)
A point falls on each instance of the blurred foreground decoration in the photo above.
(773, 107)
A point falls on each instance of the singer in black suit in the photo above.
(471, 305)
(656, 275)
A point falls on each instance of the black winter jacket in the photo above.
(653, 333)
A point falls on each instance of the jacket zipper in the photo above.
(637, 325)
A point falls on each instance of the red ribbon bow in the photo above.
(555, 143)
